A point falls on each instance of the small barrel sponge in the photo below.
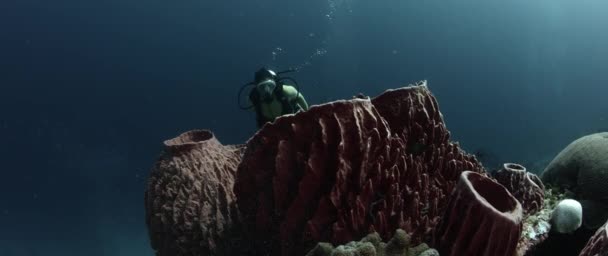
(567, 216)
(582, 167)
(524, 186)
(482, 218)
(372, 245)
(598, 244)
(189, 203)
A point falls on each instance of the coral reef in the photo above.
(372, 245)
(342, 170)
(581, 168)
(482, 218)
(526, 187)
(553, 243)
(189, 200)
(598, 244)
(376, 169)
(536, 226)
(578, 167)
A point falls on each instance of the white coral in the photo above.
(567, 216)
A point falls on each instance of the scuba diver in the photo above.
(271, 97)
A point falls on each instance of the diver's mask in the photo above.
(265, 89)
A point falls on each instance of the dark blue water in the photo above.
(90, 89)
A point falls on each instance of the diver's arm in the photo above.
(302, 102)
(294, 96)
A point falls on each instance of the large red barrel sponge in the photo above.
(189, 199)
(598, 244)
(482, 218)
(342, 170)
(524, 186)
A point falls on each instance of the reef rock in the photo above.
(598, 244)
(342, 170)
(582, 168)
(372, 245)
(482, 218)
(526, 187)
(189, 199)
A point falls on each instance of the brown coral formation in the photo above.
(524, 186)
(189, 200)
(372, 245)
(598, 244)
(342, 170)
(482, 218)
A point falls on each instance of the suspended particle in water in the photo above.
(311, 34)
(334, 6)
(320, 52)
(276, 52)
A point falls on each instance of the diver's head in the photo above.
(265, 83)
(265, 89)
(264, 74)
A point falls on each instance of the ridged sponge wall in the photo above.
(342, 170)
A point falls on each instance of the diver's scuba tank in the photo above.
(264, 74)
